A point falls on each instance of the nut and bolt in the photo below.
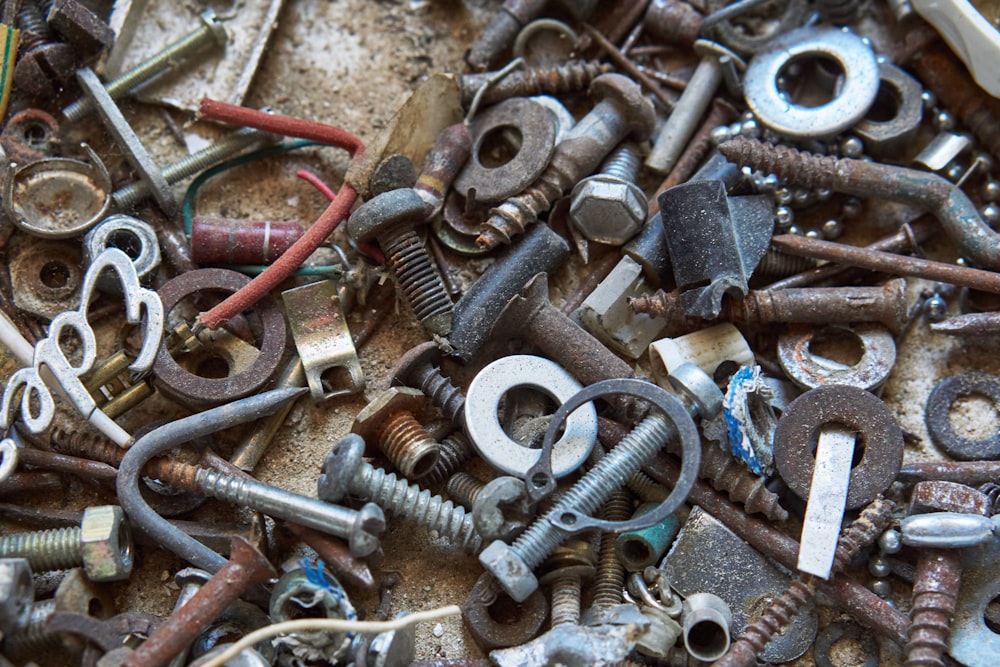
(102, 544)
(391, 219)
(345, 473)
(609, 578)
(565, 570)
(388, 421)
(210, 32)
(609, 207)
(621, 110)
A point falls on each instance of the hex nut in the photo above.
(892, 135)
(607, 209)
(105, 544)
(390, 401)
(17, 593)
(511, 573)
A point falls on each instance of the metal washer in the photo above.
(938, 420)
(488, 436)
(855, 96)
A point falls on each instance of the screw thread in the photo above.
(513, 216)
(400, 498)
(776, 264)
(45, 550)
(419, 279)
(788, 164)
(646, 489)
(935, 596)
(408, 445)
(34, 638)
(565, 605)
(623, 163)
(740, 484)
(443, 394)
(228, 488)
(455, 450)
(463, 488)
(567, 78)
(654, 305)
(609, 580)
(594, 488)
(85, 445)
(35, 31)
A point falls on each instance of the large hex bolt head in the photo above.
(17, 593)
(607, 209)
(105, 544)
(509, 569)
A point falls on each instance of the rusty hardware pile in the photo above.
(649, 400)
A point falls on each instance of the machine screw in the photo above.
(609, 580)
(886, 305)
(391, 218)
(345, 473)
(683, 121)
(388, 421)
(463, 488)
(621, 110)
(102, 544)
(44, 64)
(609, 207)
(871, 523)
(419, 369)
(246, 567)
(211, 31)
(566, 569)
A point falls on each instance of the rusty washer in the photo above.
(880, 440)
(185, 386)
(938, 421)
(496, 621)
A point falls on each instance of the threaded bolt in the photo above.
(777, 264)
(388, 422)
(345, 473)
(209, 32)
(390, 218)
(609, 581)
(45, 550)
(455, 450)
(871, 523)
(35, 31)
(131, 195)
(463, 488)
(34, 638)
(609, 207)
(565, 571)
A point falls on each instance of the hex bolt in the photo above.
(609, 207)
(871, 522)
(391, 219)
(246, 567)
(361, 528)
(102, 544)
(388, 422)
(621, 110)
(928, 191)
(345, 473)
(569, 77)
(419, 368)
(609, 579)
(820, 305)
(566, 570)
(683, 121)
(128, 197)
(210, 32)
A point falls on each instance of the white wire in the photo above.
(331, 624)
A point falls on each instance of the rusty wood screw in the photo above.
(820, 305)
(738, 482)
(949, 204)
(246, 567)
(569, 77)
(873, 520)
(621, 110)
(419, 369)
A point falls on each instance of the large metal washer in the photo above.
(488, 436)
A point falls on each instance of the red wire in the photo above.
(317, 183)
(338, 210)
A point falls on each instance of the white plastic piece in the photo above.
(827, 500)
(707, 349)
(970, 36)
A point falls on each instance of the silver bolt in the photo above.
(208, 33)
(609, 207)
(360, 527)
(345, 473)
(683, 121)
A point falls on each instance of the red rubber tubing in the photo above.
(338, 210)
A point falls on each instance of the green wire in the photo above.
(187, 211)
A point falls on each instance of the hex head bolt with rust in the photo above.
(871, 523)
(388, 422)
(345, 473)
(928, 191)
(683, 121)
(420, 368)
(939, 573)
(621, 111)
(390, 219)
(210, 33)
(246, 567)
(609, 207)
(102, 544)
(819, 305)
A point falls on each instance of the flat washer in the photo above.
(834, 632)
(938, 421)
(853, 99)
(878, 433)
(495, 446)
(809, 371)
